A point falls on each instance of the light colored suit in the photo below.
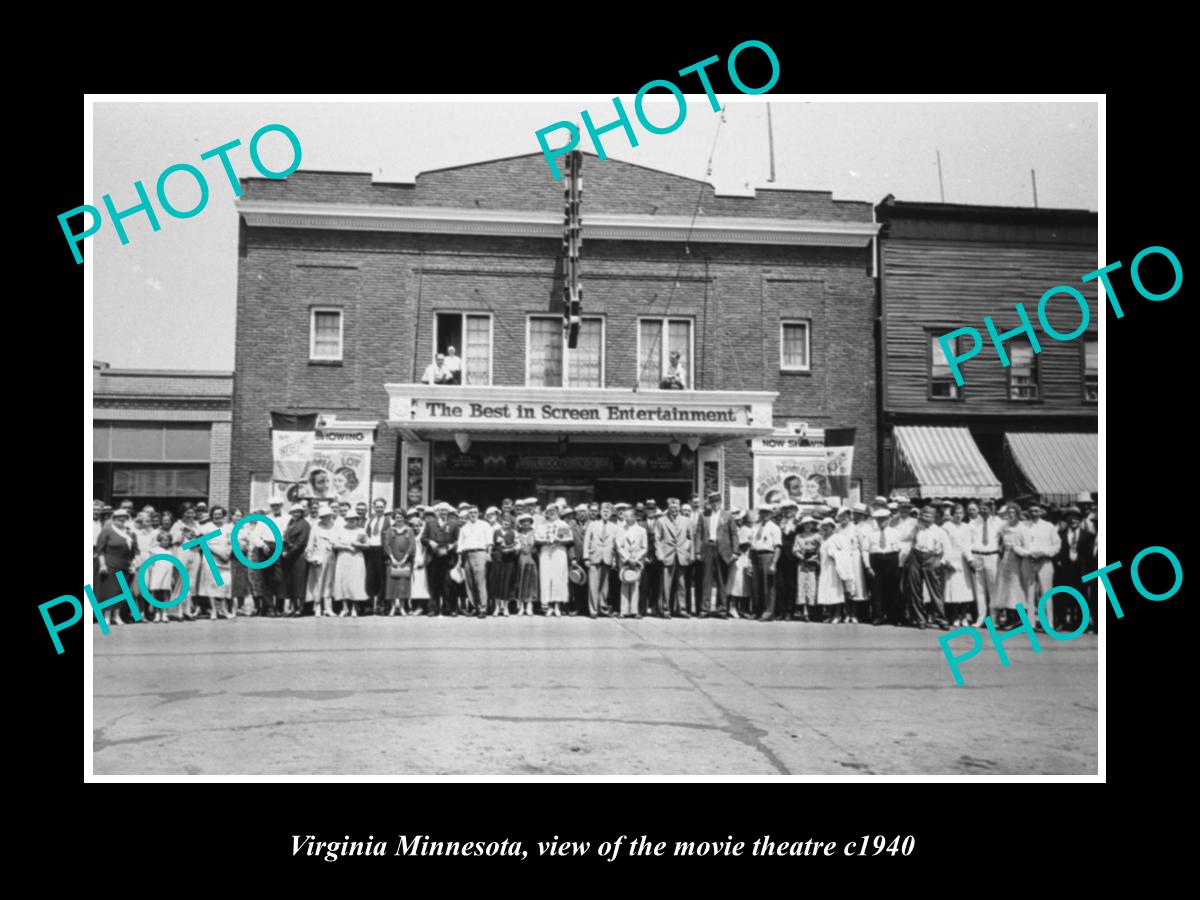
(631, 549)
(600, 557)
(674, 547)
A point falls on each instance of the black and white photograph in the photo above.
(667, 436)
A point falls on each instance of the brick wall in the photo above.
(390, 286)
(220, 447)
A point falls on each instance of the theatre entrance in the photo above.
(490, 471)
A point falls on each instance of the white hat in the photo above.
(275, 501)
(882, 513)
(804, 520)
(443, 507)
(1084, 497)
(324, 510)
(490, 510)
(524, 517)
(828, 521)
(860, 507)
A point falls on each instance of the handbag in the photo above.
(398, 570)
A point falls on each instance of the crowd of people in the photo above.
(941, 563)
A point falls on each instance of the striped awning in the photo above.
(941, 462)
(1058, 466)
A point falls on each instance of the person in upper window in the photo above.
(437, 372)
(675, 378)
(453, 365)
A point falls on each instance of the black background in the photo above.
(240, 836)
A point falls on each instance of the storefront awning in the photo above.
(1058, 466)
(941, 462)
(479, 411)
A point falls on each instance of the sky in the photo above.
(166, 300)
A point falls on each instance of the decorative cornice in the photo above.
(523, 223)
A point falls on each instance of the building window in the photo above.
(135, 442)
(1091, 370)
(547, 347)
(325, 335)
(470, 335)
(1023, 372)
(793, 345)
(657, 340)
(942, 385)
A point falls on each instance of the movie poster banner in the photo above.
(312, 462)
(804, 475)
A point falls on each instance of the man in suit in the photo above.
(578, 520)
(631, 554)
(674, 549)
(1073, 560)
(599, 557)
(376, 527)
(440, 540)
(718, 542)
(647, 516)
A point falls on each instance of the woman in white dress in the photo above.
(221, 550)
(350, 576)
(320, 555)
(187, 529)
(831, 587)
(161, 577)
(147, 546)
(1009, 591)
(851, 569)
(554, 535)
(958, 594)
(737, 589)
(420, 584)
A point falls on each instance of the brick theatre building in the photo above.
(348, 288)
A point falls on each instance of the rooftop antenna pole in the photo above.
(1033, 176)
(941, 187)
(771, 145)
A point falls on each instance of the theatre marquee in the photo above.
(422, 408)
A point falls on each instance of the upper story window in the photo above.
(1023, 380)
(465, 340)
(1090, 348)
(664, 354)
(325, 334)
(547, 348)
(793, 345)
(942, 385)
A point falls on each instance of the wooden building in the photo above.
(1028, 428)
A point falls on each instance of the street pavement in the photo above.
(574, 696)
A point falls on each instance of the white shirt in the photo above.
(434, 374)
(1071, 538)
(1041, 538)
(453, 364)
(992, 525)
(475, 535)
(766, 536)
(375, 528)
(714, 519)
(931, 538)
(880, 540)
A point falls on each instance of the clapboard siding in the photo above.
(942, 285)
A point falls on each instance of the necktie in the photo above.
(985, 531)
(882, 530)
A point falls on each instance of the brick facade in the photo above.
(391, 285)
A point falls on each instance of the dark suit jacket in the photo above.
(727, 536)
(1083, 551)
(438, 535)
(115, 549)
(295, 538)
(576, 549)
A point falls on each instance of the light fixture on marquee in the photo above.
(674, 446)
(693, 442)
(463, 440)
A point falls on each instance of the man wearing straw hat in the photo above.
(631, 554)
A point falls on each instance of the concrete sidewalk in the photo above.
(569, 696)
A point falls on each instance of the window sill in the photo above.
(783, 371)
(325, 362)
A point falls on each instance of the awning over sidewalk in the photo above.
(1058, 466)
(934, 461)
